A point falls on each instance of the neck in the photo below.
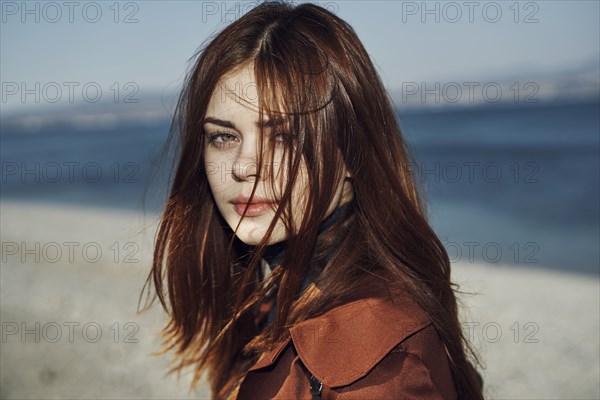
(274, 253)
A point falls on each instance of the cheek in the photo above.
(217, 168)
(300, 191)
(301, 185)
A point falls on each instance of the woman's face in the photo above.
(231, 154)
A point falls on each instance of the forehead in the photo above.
(235, 93)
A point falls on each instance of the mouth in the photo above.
(259, 206)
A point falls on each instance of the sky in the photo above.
(148, 44)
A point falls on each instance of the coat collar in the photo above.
(345, 343)
(274, 254)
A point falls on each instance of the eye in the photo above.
(281, 137)
(222, 139)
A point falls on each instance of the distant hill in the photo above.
(157, 107)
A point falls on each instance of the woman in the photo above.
(293, 255)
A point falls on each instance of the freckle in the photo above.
(47, 376)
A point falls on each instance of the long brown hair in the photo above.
(311, 68)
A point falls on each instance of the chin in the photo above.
(249, 238)
(251, 234)
(252, 229)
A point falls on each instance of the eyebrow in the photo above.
(228, 124)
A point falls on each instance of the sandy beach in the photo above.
(71, 278)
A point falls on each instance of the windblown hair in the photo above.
(312, 71)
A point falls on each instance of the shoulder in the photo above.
(373, 339)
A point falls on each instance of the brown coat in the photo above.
(371, 348)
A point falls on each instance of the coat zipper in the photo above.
(315, 388)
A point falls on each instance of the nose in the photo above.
(245, 165)
(244, 171)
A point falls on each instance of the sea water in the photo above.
(515, 184)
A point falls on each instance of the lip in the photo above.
(259, 205)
